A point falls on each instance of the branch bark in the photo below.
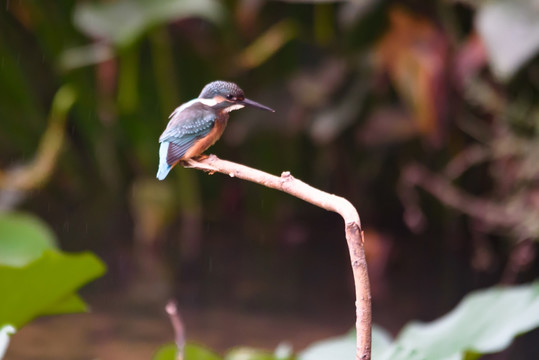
(354, 234)
(177, 325)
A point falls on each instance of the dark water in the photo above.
(120, 328)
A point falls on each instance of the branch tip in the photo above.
(171, 308)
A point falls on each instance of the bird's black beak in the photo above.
(254, 104)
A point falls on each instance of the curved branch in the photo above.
(354, 234)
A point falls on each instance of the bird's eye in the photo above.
(230, 97)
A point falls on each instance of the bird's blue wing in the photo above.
(185, 128)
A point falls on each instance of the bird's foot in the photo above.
(201, 157)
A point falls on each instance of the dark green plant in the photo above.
(485, 322)
(36, 278)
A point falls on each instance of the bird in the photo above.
(197, 124)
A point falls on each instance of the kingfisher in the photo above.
(198, 124)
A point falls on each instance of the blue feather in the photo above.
(164, 167)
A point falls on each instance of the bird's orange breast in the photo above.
(205, 142)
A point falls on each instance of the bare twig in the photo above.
(354, 234)
(177, 325)
(469, 157)
(514, 214)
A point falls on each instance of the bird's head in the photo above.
(228, 96)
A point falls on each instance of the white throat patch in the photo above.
(234, 107)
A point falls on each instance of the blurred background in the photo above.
(424, 114)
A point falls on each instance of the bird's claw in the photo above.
(201, 157)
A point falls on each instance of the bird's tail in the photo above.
(164, 167)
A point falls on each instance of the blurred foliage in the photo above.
(511, 34)
(367, 76)
(416, 111)
(36, 235)
(18, 180)
(484, 322)
(191, 352)
(106, 21)
(342, 346)
(36, 278)
(197, 352)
